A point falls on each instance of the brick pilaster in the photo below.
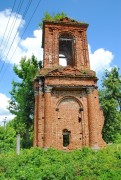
(36, 117)
(93, 140)
(47, 122)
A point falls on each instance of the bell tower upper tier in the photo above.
(65, 44)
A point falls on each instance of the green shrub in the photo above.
(7, 139)
(38, 164)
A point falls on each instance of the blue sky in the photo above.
(104, 35)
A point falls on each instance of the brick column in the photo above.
(92, 119)
(48, 120)
(36, 117)
(40, 115)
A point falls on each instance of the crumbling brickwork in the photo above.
(67, 110)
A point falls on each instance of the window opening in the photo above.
(66, 138)
(80, 115)
(79, 119)
(66, 50)
(80, 110)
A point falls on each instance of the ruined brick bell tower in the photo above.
(67, 111)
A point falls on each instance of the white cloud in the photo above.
(14, 26)
(32, 45)
(4, 112)
(27, 47)
(100, 60)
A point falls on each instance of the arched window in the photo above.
(66, 52)
(66, 137)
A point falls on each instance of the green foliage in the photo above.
(55, 17)
(22, 98)
(110, 98)
(7, 138)
(112, 85)
(38, 164)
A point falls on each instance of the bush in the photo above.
(7, 139)
(37, 164)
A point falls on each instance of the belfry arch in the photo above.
(66, 49)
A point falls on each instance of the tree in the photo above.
(22, 98)
(110, 98)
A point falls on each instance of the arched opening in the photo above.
(66, 50)
(66, 137)
(70, 122)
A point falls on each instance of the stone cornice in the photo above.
(66, 72)
(69, 87)
(90, 89)
(76, 24)
(48, 89)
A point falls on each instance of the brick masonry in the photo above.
(66, 98)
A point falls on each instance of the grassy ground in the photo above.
(85, 164)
